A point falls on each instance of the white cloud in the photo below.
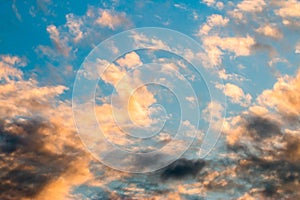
(297, 48)
(60, 43)
(211, 22)
(130, 60)
(290, 8)
(284, 97)
(251, 6)
(7, 71)
(213, 45)
(191, 99)
(230, 76)
(74, 25)
(209, 2)
(212, 3)
(270, 31)
(25, 100)
(111, 19)
(247, 6)
(235, 94)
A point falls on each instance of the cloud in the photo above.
(236, 94)
(136, 102)
(130, 60)
(7, 71)
(212, 21)
(284, 97)
(290, 8)
(270, 31)
(60, 43)
(38, 142)
(209, 2)
(27, 165)
(112, 20)
(247, 7)
(230, 76)
(182, 168)
(212, 3)
(297, 48)
(82, 30)
(251, 6)
(74, 25)
(266, 144)
(214, 45)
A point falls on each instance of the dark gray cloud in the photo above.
(26, 166)
(182, 168)
(264, 165)
(260, 128)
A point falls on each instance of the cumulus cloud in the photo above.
(213, 3)
(82, 30)
(215, 45)
(284, 97)
(28, 165)
(230, 76)
(247, 7)
(75, 25)
(60, 43)
(236, 94)
(290, 8)
(297, 48)
(251, 6)
(137, 103)
(38, 143)
(265, 140)
(111, 19)
(211, 22)
(270, 31)
(182, 168)
(7, 72)
(130, 60)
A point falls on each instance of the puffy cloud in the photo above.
(251, 6)
(191, 99)
(111, 19)
(266, 141)
(83, 30)
(230, 76)
(240, 46)
(27, 166)
(214, 109)
(130, 60)
(212, 3)
(142, 41)
(30, 167)
(245, 7)
(270, 31)
(60, 43)
(284, 97)
(7, 72)
(38, 142)
(182, 168)
(236, 94)
(137, 103)
(297, 48)
(209, 2)
(74, 25)
(290, 8)
(213, 21)
(213, 114)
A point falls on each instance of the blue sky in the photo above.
(75, 120)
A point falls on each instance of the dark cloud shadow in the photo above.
(26, 166)
(182, 168)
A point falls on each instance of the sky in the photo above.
(149, 99)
